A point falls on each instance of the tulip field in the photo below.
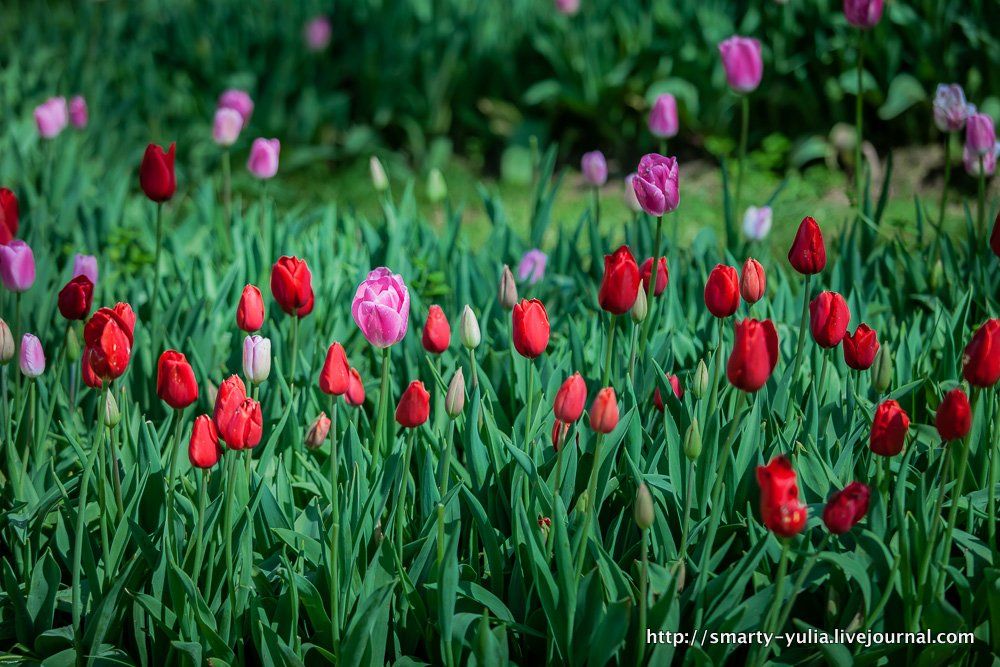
(246, 423)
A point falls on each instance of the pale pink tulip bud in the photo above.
(663, 117)
(51, 117)
(317, 33)
(263, 161)
(226, 126)
(32, 359)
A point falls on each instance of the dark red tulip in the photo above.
(244, 427)
(437, 331)
(559, 432)
(808, 252)
(335, 376)
(9, 216)
(981, 358)
(355, 389)
(414, 406)
(860, 349)
(108, 337)
(531, 328)
(203, 448)
(828, 319)
(291, 286)
(780, 508)
(76, 298)
(994, 237)
(889, 429)
(175, 382)
(846, 508)
(570, 399)
(722, 291)
(753, 281)
(675, 385)
(231, 393)
(604, 411)
(156, 173)
(662, 276)
(754, 355)
(250, 312)
(620, 285)
(954, 416)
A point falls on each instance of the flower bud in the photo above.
(699, 383)
(604, 411)
(6, 343)
(545, 524)
(379, 180)
(437, 189)
(454, 400)
(644, 511)
(639, 308)
(256, 358)
(318, 430)
(692, 441)
(32, 358)
(73, 350)
(882, 375)
(112, 415)
(508, 289)
(468, 327)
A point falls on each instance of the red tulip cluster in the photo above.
(108, 339)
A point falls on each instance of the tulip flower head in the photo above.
(454, 400)
(808, 252)
(9, 215)
(846, 508)
(531, 268)
(741, 59)
(663, 117)
(567, 7)
(594, 168)
(318, 430)
(108, 337)
(381, 307)
(780, 508)
(863, 14)
(889, 428)
(692, 441)
(334, 377)
(980, 135)
(753, 281)
(757, 222)
(78, 115)
(950, 108)
(414, 406)
(954, 416)
(32, 359)
(675, 387)
(656, 184)
(570, 399)
(643, 512)
(604, 411)
(976, 165)
(468, 329)
(883, 369)
(531, 328)
(85, 265)
(76, 298)
(722, 291)
(380, 180)
(507, 293)
(244, 428)
(828, 319)
(156, 173)
(175, 382)
(631, 201)
(17, 266)
(861, 347)
(662, 276)
(6, 343)
(754, 355)
(355, 395)
(250, 311)
(239, 101)
(620, 283)
(981, 357)
(291, 286)
(230, 396)
(263, 160)
(226, 126)
(437, 331)
(559, 432)
(52, 117)
(204, 450)
(317, 33)
(256, 358)
(437, 187)
(640, 308)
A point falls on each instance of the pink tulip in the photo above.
(85, 265)
(594, 168)
(663, 117)
(656, 184)
(17, 266)
(381, 307)
(226, 126)
(630, 199)
(317, 33)
(567, 7)
(32, 359)
(239, 101)
(980, 135)
(263, 161)
(863, 14)
(950, 108)
(742, 61)
(51, 117)
(78, 112)
(531, 268)
(971, 161)
(757, 222)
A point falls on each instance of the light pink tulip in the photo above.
(531, 269)
(567, 7)
(594, 168)
(51, 117)
(85, 265)
(263, 161)
(17, 266)
(742, 61)
(381, 307)
(980, 135)
(950, 108)
(239, 101)
(226, 126)
(32, 359)
(317, 33)
(663, 117)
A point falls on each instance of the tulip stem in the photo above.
(115, 475)
(713, 395)
(744, 130)
(797, 588)
(156, 277)
(383, 403)
(944, 472)
(803, 322)
(28, 443)
(591, 509)
(947, 176)
(858, 120)
(171, 472)
(651, 287)
(334, 528)
(982, 201)
(686, 528)
(773, 616)
(227, 533)
(199, 551)
(611, 345)
(643, 596)
(227, 190)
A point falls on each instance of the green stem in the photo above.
(651, 287)
(713, 394)
(744, 130)
(611, 345)
(171, 473)
(334, 528)
(779, 586)
(982, 198)
(685, 530)
(799, 582)
(227, 533)
(227, 189)
(947, 176)
(803, 324)
(944, 472)
(591, 506)
(955, 497)
(383, 403)
(156, 276)
(643, 596)
(199, 552)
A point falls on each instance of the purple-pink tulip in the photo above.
(51, 117)
(567, 7)
(630, 199)
(950, 108)
(226, 126)
(317, 33)
(85, 265)
(971, 161)
(263, 161)
(381, 307)
(594, 168)
(32, 359)
(17, 266)
(656, 184)
(239, 101)
(531, 268)
(78, 115)
(980, 135)
(757, 222)
(663, 117)
(742, 61)
(863, 14)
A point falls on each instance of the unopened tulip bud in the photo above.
(545, 524)
(882, 372)
(640, 307)
(318, 431)
(112, 415)
(468, 327)
(256, 358)
(379, 179)
(699, 383)
(508, 289)
(32, 358)
(692, 441)
(437, 189)
(644, 514)
(73, 350)
(582, 502)
(6, 343)
(454, 401)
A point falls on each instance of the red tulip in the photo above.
(994, 237)
(90, 378)
(675, 385)
(570, 399)
(231, 393)
(753, 281)
(355, 389)
(76, 298)
(954, 416)
(203, 448)
(437, 331)
(250, 312)
(889, 429)
(334, 377)
(621, 282)
(981, 358)
(9, 216)
(754, 355)
(861, 348)
(108, 336)
(559, 432)
(808, 252)
(780, 509)
(846, 507)
(722, 291)
(604, 411)
(175, 383)
(245, 426)
(662, 276)
(531, 328)
(156, 173)
(828, 319)
(291, 286)
(414, 406)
